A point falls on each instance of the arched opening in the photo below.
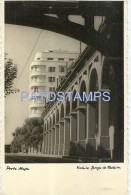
(47, 126)
(62, 111)
(74, 102)
(53, 119)
(57, 116)
(93, 116)
(67, 107)
(50, 122)
(82, 89)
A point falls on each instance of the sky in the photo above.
(19, 43)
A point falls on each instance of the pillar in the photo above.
(81, 123)
(57, 139)
(92, 127)
(73, 126)
(61, 137)
(47, 143)
(66, 135)
(44, 143)
(50, 141)
(53, 140)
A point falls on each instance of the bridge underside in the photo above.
(107, 40)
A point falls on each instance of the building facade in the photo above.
(94, 130)
(47, 71)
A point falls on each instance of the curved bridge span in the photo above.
(54, 16)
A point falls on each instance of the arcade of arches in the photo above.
(90, 129)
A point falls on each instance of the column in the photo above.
(66, 135)
(73, 126)
(47, 143)
(73, 134)
(44, 143)
(61, 137)
(53, 140)
(92, 126)
(50, 141)
(57, 139)
(81, 123)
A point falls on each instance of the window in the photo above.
(35, 89)
(38, 58)
(35, 79)
(49, 58)
(51, 69)
(70, 59)
(51, 79)
(35, 69)
(52, 89)
(35, 110)
(60, 58)
(62, 68)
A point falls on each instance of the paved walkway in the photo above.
(29, 158)
(34, 154)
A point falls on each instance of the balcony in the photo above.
(37, 63)
(37, 73)
(33, 115)
(36, 105)
(38, 84)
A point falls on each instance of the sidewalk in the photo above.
(35, 154)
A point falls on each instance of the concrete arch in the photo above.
(76, 87)
(93, 80)
(83, 88)
(35, 16)
(83, 78)
(98, 70)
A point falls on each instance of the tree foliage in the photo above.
(10, 75)
(30, 135)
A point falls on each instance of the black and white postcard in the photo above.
(65, 97)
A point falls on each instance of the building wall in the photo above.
(47, 71)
